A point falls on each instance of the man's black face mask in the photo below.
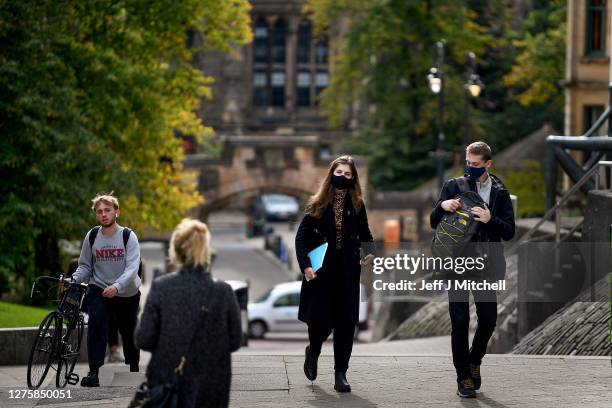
(474, 172)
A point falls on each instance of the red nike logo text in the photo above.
(109, 253)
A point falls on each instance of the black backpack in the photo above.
(126, 237)
(457, 229)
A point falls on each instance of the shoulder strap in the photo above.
(463, 185)
(126, 236)
(92, 236)
(93, 233)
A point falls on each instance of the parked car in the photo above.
(241, 289)
(278, 207)
(277, 311)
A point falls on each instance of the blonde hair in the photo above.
(190, 244)
(107, 199)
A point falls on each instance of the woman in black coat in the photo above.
(329, 298)
(188, 313)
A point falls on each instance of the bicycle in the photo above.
(58, 342)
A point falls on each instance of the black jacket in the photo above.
(500, 227)
(317, 295)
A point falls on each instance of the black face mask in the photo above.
(341, 182)
(474, 172)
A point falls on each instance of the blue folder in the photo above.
(316, 256)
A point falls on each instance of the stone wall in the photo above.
(16, 344)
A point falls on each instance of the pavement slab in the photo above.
(400, 380)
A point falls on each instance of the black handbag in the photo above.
(164, 395)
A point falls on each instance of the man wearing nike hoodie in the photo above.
(112, 270)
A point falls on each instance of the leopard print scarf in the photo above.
(339, 197)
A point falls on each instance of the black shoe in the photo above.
(91, 380)
(475, 374)
(465, 388)
(134, 368)
(341, 384)
(310, 364)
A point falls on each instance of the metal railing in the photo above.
(595, 171)
(592, 142)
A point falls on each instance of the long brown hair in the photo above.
(318, 202)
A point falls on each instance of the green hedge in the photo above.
(527, 183)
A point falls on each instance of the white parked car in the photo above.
(277, 311)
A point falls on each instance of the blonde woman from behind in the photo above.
(188, 314)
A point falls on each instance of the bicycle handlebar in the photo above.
(61, 279)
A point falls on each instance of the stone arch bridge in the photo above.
(253, 165)
(293, 165)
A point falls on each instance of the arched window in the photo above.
(269, 52)
(279, 41)
(260, 88)
(321, 81)
(278, 88)
(304, 40)
(321, 51)
(312, 65)
(261, 42)
(261, 59)
(303, 88)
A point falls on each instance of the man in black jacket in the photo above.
(497, 223)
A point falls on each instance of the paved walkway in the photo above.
(377, 379)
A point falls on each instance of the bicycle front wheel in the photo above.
(70, 347)
(43, 349)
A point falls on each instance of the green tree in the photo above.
(539, 68)
(92, 97)
(502, 112)
(382, 53)
(527, 183)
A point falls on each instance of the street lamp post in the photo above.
(436, 84)
(471, 89)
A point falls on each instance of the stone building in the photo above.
(587, 63)
(271, 87)
(265, 111)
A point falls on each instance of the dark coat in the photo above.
(333, 296)
(173, 311)
(501, 226)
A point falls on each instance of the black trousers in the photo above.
(125, 312)
(113, 332)
(343, 343)
(459, 309)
